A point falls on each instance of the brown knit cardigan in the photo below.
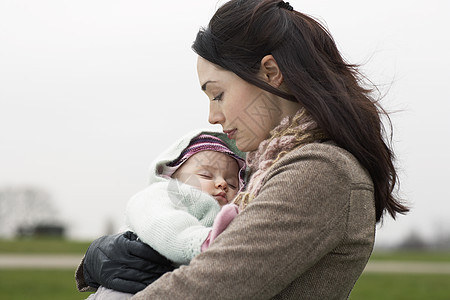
(307, 235)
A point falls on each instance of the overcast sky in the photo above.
(91, 91)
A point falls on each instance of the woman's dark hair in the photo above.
(242, 32)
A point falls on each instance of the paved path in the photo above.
(11, 261)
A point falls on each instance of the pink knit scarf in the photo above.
(292, 132)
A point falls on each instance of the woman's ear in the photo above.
(270, 71)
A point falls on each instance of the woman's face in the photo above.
(247, 113)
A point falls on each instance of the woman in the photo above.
(322, 174)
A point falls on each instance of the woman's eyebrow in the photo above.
(204, 85)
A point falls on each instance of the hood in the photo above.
(174, 151)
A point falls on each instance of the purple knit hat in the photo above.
(206, 142)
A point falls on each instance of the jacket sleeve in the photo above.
(297, 218)
(173, 218)
(82, 286)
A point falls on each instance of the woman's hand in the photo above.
(123, 263)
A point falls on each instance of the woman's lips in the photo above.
(230, 133)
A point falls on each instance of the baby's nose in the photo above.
(222, 184)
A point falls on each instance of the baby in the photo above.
(175, 216)
(178, 213)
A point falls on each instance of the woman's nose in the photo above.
(215, 115)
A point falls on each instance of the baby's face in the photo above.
(212, 172)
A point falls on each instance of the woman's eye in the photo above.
(218, 97)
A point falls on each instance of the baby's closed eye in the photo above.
(205, 175)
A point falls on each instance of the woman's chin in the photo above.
(244, 146)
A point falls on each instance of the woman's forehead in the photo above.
(208, 71)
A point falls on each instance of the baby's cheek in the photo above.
(192, 181)
(233, 195)
(206, 186)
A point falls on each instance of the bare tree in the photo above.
(413, 241)
(24, 206)
(441, 240)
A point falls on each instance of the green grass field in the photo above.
(418, 256)
(39, 285)
(402, 287)
(42, 245)
(60, 284)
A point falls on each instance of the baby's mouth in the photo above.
(221, 198)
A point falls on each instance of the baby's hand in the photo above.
(221, 222)
(224, 218)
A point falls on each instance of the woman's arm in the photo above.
(299, 216)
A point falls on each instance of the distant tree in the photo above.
(413, 242)
(25, 207)
(442, 238)
(110, 227)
